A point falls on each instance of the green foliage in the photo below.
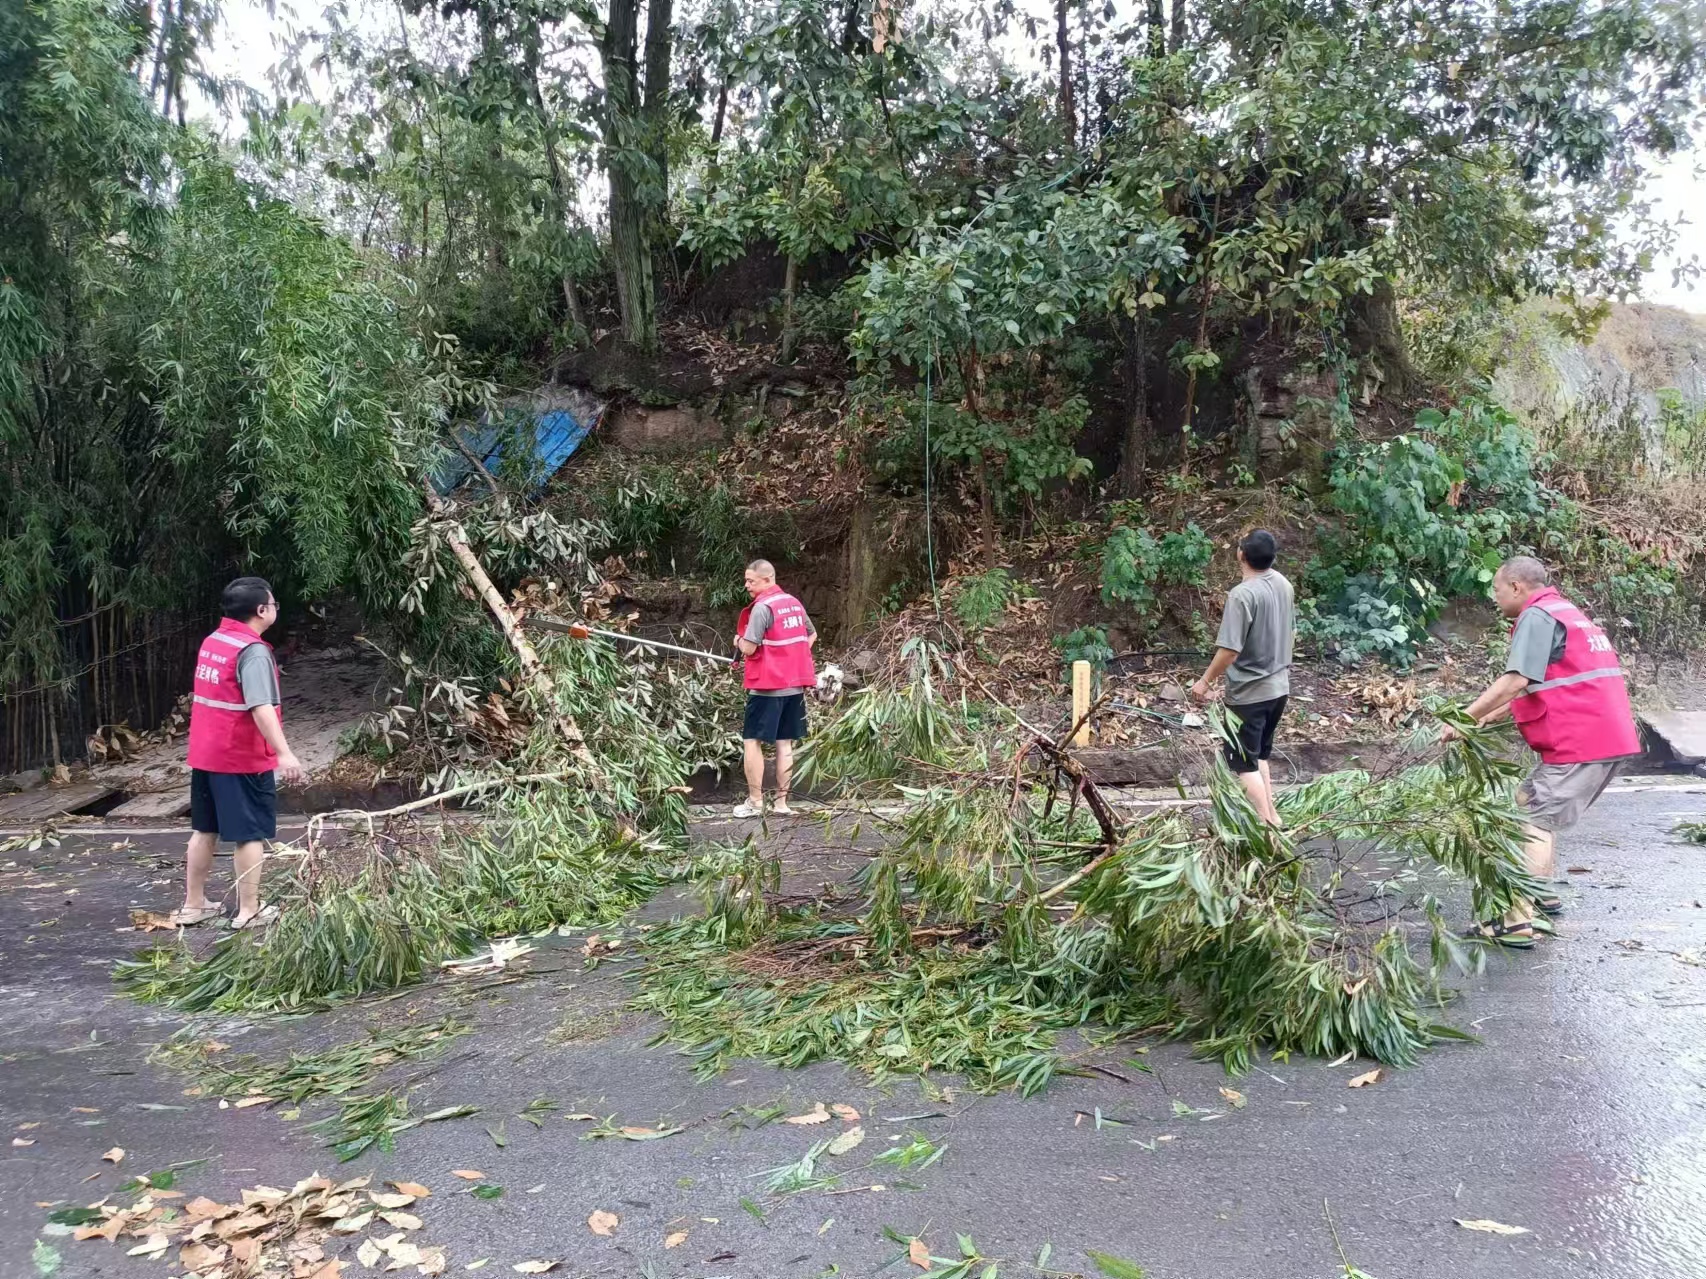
(1134, 562)
(1084, 644)
(982, 598)
(1692, 832)
(684, 523)
(330, 1072)
(1331, 937)
(886, 729)
(1425, 517)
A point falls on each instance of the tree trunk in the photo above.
(722, 115)
(1068, 106)
(790, 287)
(629, 240)
(659, 15)
(532, 669)
(1178, 41)
(986, 505)
(1134, 449)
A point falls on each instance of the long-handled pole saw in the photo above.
(580, 630)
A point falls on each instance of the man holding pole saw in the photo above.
(776, 639)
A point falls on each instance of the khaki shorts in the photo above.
(1554, 796)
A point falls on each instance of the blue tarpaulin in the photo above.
(550, 434)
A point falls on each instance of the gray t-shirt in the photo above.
(757, 622)
(1537, 642)
(1258, 625)
(258, 677)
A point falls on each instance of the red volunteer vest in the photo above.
(784, 656)
(1580, 712)
(223, 736)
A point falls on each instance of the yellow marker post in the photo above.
(1081, 702)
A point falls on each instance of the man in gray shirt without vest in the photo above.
(1253, 652)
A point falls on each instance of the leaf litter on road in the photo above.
(269, 1229)
(602, 1222)
(1363, 1081)
(1489, 1227)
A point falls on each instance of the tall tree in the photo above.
(635, 156)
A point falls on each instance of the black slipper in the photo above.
(1550, 905)
(1515, 936)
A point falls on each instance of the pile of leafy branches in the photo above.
(371, 911)
(574, 832)
(999, 914)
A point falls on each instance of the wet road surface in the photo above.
(1581, 1116)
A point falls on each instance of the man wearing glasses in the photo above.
(236, 747)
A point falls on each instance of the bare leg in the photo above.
(246, 863)
(784, 770)
(1256, 787)
(198, 861)
(1539, 853)
(752, 763)
(1268, 785)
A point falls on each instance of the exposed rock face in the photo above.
(1641, 356)
(661, 430)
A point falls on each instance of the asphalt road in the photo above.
(1580, 1116)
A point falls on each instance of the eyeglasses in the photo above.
(272, 604)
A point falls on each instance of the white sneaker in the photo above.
(780, 809)
(746, 808)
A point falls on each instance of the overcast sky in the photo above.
(244, 49)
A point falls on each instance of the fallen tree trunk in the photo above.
(532, 669)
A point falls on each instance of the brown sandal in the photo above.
(1515, 936)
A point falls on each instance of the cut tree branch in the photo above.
(532, 669)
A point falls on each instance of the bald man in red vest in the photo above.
(776, 638)
(1564, 687)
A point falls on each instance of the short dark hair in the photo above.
(244, 598)
(1259, 549)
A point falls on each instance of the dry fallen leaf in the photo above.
(1490, 1227)
(816, 1115)
(401, 1220)
(154, 1248)
(368, 1254)
(603, 1223)
(410, 1188)
(390, 1201)
(534, 1267)
(841, 1110)
(1238, 1100)
(246, 1102)
(115, 1155)
(331, 1270)
(675, 1240)
(199, 1256)
(433, 1261)
(23, 1141)
(467, 1174)
(1363, 1081)
(27, 1127)
(841, 1144)
(353, 1225)
(918, 1253)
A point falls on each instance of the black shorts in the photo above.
(1254, 739)
(238, 807)
(770, 719)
